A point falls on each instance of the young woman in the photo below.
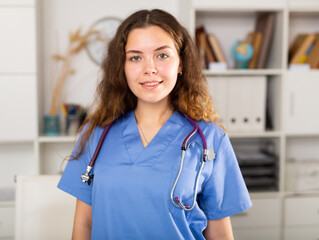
(151, 87)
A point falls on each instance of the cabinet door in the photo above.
(263, 213)
(302, 98)
(17, 41)
(257, 233)
(18, 108)
(302, 211)
(6, 222)
(42, 210)
(301, 233)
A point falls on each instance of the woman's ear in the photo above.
(180, 69)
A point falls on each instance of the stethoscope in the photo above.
(207, 155)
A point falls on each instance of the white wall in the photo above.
(58, 17)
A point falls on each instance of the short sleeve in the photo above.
(224, 193)
(70, 181)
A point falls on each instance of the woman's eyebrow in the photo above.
(140, 52)
(134, 51)
(162, 47)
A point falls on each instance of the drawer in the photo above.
(257, 233)
(301, 233)
(302, 211)
(6, 222)
(264, 212)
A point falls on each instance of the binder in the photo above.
(240, 102)
(258, 103)
(246, 104)
(217, 87)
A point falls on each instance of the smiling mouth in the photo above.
(151, 83)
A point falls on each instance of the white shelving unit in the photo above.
(283, 213)
(276, 214)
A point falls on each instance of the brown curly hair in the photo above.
(114, 98)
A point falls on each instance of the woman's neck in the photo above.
(155, 114)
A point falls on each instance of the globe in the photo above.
(242, 52)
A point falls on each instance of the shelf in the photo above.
(301, 135)
(266, 134)
(15, 141)
(244, 5)
(7, 204)
(255, 195)
(304, 9)
(242, 72)
(303, 71)
(301, 194)
(57, 139)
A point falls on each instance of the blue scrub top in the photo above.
(130, 193)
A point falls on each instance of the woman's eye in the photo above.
(135, 58)
(162, 56)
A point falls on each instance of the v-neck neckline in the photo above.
(149, 155)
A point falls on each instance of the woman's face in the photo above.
(152, 64)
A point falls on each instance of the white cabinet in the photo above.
(18, 118)
(264, 213)
(301, 218)
(49, 216)
(261, 221)
(301, 233)
(18, 102)
(258, 233)
(302, 98)
(302, 211)
(6, 222)
(18, 36)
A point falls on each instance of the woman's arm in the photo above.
(219, 229)
(82, 221)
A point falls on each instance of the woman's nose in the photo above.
(150, 67)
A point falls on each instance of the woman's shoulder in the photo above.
(215, 135)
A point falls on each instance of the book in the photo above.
(295, 45)
(211, 56)
(301, 50)
(215, 46)
(254, 39)
(265, 24)
(313, 57)
(304, 56)
(206, 53)
(201, 46)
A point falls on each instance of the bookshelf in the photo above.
(292, 138)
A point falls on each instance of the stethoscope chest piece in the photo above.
(211, 154)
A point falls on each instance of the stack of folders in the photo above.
(240, 102)
(258, 169)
